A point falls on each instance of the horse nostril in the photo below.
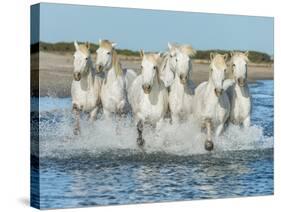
(218, 91)
(99, 67)
(241, 81)
(146, 88)
(77, 76)
(183, 79)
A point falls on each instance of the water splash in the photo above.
(107, 136)
(57, 139)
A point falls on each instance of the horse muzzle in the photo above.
(77, 76)
(183, 79)
(146, 89)
(99, 68)
(241, 81)
(218, 91)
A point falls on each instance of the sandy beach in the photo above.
(55, 71)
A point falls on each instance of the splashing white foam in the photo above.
(57, 140)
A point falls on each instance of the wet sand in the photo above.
(55, 71)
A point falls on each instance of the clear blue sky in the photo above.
(152, 29)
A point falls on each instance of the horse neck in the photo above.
(243, 90)
(210, 86)
(168, 64)
(156, 82)
(115, 70)
(87, 79)
(177, 80)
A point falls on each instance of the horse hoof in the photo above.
(76, 131)
(209, 145)
(140, 142)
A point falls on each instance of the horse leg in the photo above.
(140, 140)
(247, 122)
(118, 117)
(203, 126)
(209, 145)
(175, 118)
(93, 114)
(76, 112)
(121, 107)
(107, 114)
(219, 129)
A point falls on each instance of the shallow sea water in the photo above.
(104, 167)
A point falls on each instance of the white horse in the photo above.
(86, 85)
(148, 95)
(175, 72)
(239, 94)
(211, 103)
(117, 81)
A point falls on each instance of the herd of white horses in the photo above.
(162, 90)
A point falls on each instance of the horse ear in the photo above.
(114, 45)
(88, 45)
(193, 52)
(170, 46)
(141, 53)
(231, 53)
(246, 53)
(225, 56)
(76, 45)
(100, 40)
(212, 55)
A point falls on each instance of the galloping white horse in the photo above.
(117, 81)
(211, 103)
(175, 72)
(148, 95)
(239, 94)
(86, 85)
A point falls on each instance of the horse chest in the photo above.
(151, 111)
(241, 106)
(180, 100)
(85, 99)
(217, 108)
(111, 94)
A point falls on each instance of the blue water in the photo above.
(103, 167)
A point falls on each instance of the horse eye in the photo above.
(154, 67)
(224, 70)
(108, 53)
(86, 58)
(233, 65)
(171, 55)
(141, 67)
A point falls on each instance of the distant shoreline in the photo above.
(56, 69)
(68, 47)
